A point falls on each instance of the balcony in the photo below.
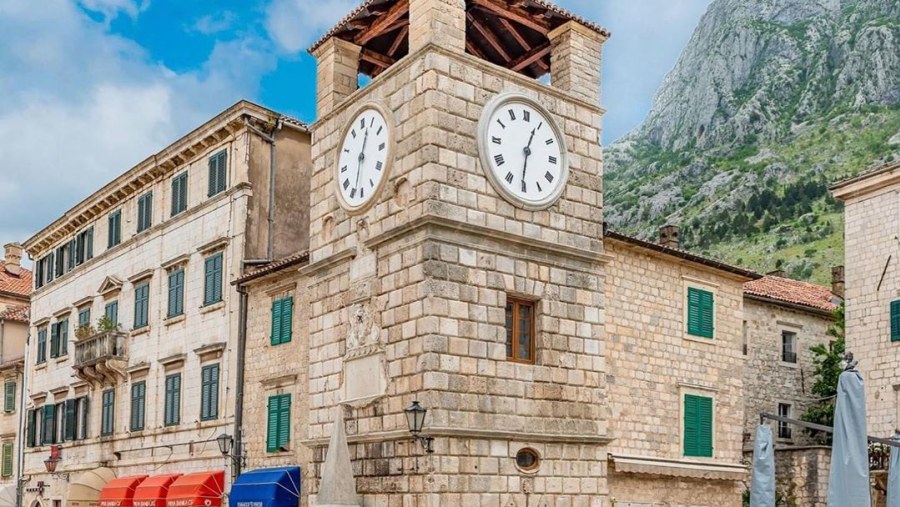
(101, 359)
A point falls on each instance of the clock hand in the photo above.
(362, 156)
(527, 154)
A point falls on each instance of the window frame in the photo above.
(712, 424)
(217, 176)
(7, 459)
(114, 229)
(209, 398)
(172, 400)
(138, 415)
(783, 430)
(9, 398)
(145, 212)
(276, 443)
(795, 339)
(111, 311)
(215, 286)
(41, 343)
(179, 194)
(175, 293)
(141, 305)
(108, 413)
(517, 303)
(692, 332)
(282, 323)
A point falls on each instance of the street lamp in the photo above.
(226, 444)
(415, 419)
(52, 462)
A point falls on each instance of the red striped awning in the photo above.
(120, 492)
(153, 491)
(200, 489)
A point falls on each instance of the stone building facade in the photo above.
(783, 318)
(872, 259)
(656, 364)
(134, 320)
(15, 288)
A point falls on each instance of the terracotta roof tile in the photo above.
(272, 267)
(792, 292)
(15, 284)
(16, 313)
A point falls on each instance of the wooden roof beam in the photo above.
(376, 59)
(531, 57)
(489, 37)
(383, 22)
(401, 35)
(518, 15)
(472, 48)
(515, 34)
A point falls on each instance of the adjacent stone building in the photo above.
(15, 287)
(872, 259)
(134, 358)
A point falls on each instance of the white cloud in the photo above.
(110, 9)
(296, 24)
(214, 23)
(85, 106)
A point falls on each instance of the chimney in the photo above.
(837, 281)
(780, 273)
(668, 236)
(12, 258)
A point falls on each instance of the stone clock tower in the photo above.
(456, 254)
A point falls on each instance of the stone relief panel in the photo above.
(365, 370)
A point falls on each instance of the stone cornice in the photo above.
(328, 262)
(867, 183)
(474, 433)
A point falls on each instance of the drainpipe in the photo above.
(20, 452)
(239, 391)
(269, 138)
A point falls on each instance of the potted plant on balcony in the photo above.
(106, 325)
(84, 331)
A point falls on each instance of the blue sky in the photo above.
(91, 87)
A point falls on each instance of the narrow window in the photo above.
(54, 340)
(745, 348)
(111, 312)
(895, 321)
(217, 172)
(141, 305)
(282, 318)
(279, 423)
(114, 231)
(60, 264)
(176, 293)
(209, 392)
(212, 289)
(48, 425)
(108, 413)
(698, 423)
(9, 396)
(173, 400)
(520, 331)
(7, 468)
(138, 397)
(179, 193)
(62, 329)
(42, 346)
(788, 347)
(31, 428)
(145, 212)
(784, 428)
(48, 267)
(60, 422)
(82, 415)
(70, 260)
(84, 246)
(69, 417)
(701, 311)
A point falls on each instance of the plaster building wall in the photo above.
(653, 363)
(872, 226)
(203, 335)
(430, 266)
(770, 381)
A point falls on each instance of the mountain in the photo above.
(770, 102)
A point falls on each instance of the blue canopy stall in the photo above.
(267, 487)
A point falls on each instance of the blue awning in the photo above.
(267, 487)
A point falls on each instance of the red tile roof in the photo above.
(272, 267)
(19, 285)
(792, 292)
(16, 313)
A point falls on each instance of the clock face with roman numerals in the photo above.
(363, 159)
(523, 152)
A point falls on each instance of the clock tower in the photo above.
(456, 253)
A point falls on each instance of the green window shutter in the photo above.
(705, 434)
(690, 425)
(48, 425)
(176, 293)
(218, 164)
(141, 305)
(209, 392)
(698, 422)
(7, 468)
(212, 290)
(30, 428)
(701, 313)
(173, 400)
(212, 186)
(83, 408)
(71, 421)
(54, 340)
(107, 422)
(276, 436)
(64, 337)
(89, 243)
(138, 397)
(9, 398)
(895, 321)
(42, 346)
(111, 312)
(276, 321)
(284, 420)
(287, 317)
(84, 318)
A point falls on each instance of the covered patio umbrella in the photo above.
(848, 482)
(762, 484)
(893, 485)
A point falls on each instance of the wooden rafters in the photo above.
(473, 49)
(513, 13)
(380, 25)
(488, 36)
(376, 59)
(533, 56)
(515, 33)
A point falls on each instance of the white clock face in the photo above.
(523, 152)
(363, 159)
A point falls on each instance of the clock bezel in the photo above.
(492, 107)
(388, 158)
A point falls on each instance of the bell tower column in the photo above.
(337, 73)
(442, 22)
(575, 54)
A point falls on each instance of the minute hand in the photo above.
(527, 154)
(362, 156)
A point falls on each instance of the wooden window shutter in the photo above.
(705, 427)
(284, 421)
(272, 424)
(691, 425)
(276, 321)
(30, 428)
(54, 340)
(7, 468)
(895, 321)
(71, 420)
(701, 313)
(84, 417)
(9, 398)
(209, 392)
(287, 317)
(64, 337)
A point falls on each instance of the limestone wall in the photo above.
(801, 475)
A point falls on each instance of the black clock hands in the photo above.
(527, 154)
(362, 157)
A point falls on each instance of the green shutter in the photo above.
(7, 468)
(698, 426)
(48, 425)
(212, 290)
(276, 321)
(138, 396)
(209, 392)
(284, 421)
(54, 340)
(107, 422)
(701, 313)
(279, 422)
(287, 316)
(31, 428)
(111, 312)
(895, 321)
(83, 407)
(71, 421)
(173, 400)
(272, 424)
(9, 398)
(176, 293)
(64, 337)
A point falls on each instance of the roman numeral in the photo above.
(549, 177)
(501, 123)
(381, 146)
(372, 123)
(346, 150)
(499, 160)
(524, 186)
(538, 183)
(552, 159)
(371, 183)
(362, 192)
(344, 169)
(541, 124)
(353, 193)
(509, 178)
(526, 115)
(362, 123)
(548, 142)
(353, 133)
(496, 140)
(512, 115)
(379, 165)
(346, 184)
(380, 128)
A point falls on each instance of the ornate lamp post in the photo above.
(415, 419)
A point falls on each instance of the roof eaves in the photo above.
(788, 304)
(273, 267)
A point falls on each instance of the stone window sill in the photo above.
(212, 307)
(789, 365)
(62, 359)
(41, 366)
(699, 339)
(174, 320)
(140, 331)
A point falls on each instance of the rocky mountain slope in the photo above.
(771, 101)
